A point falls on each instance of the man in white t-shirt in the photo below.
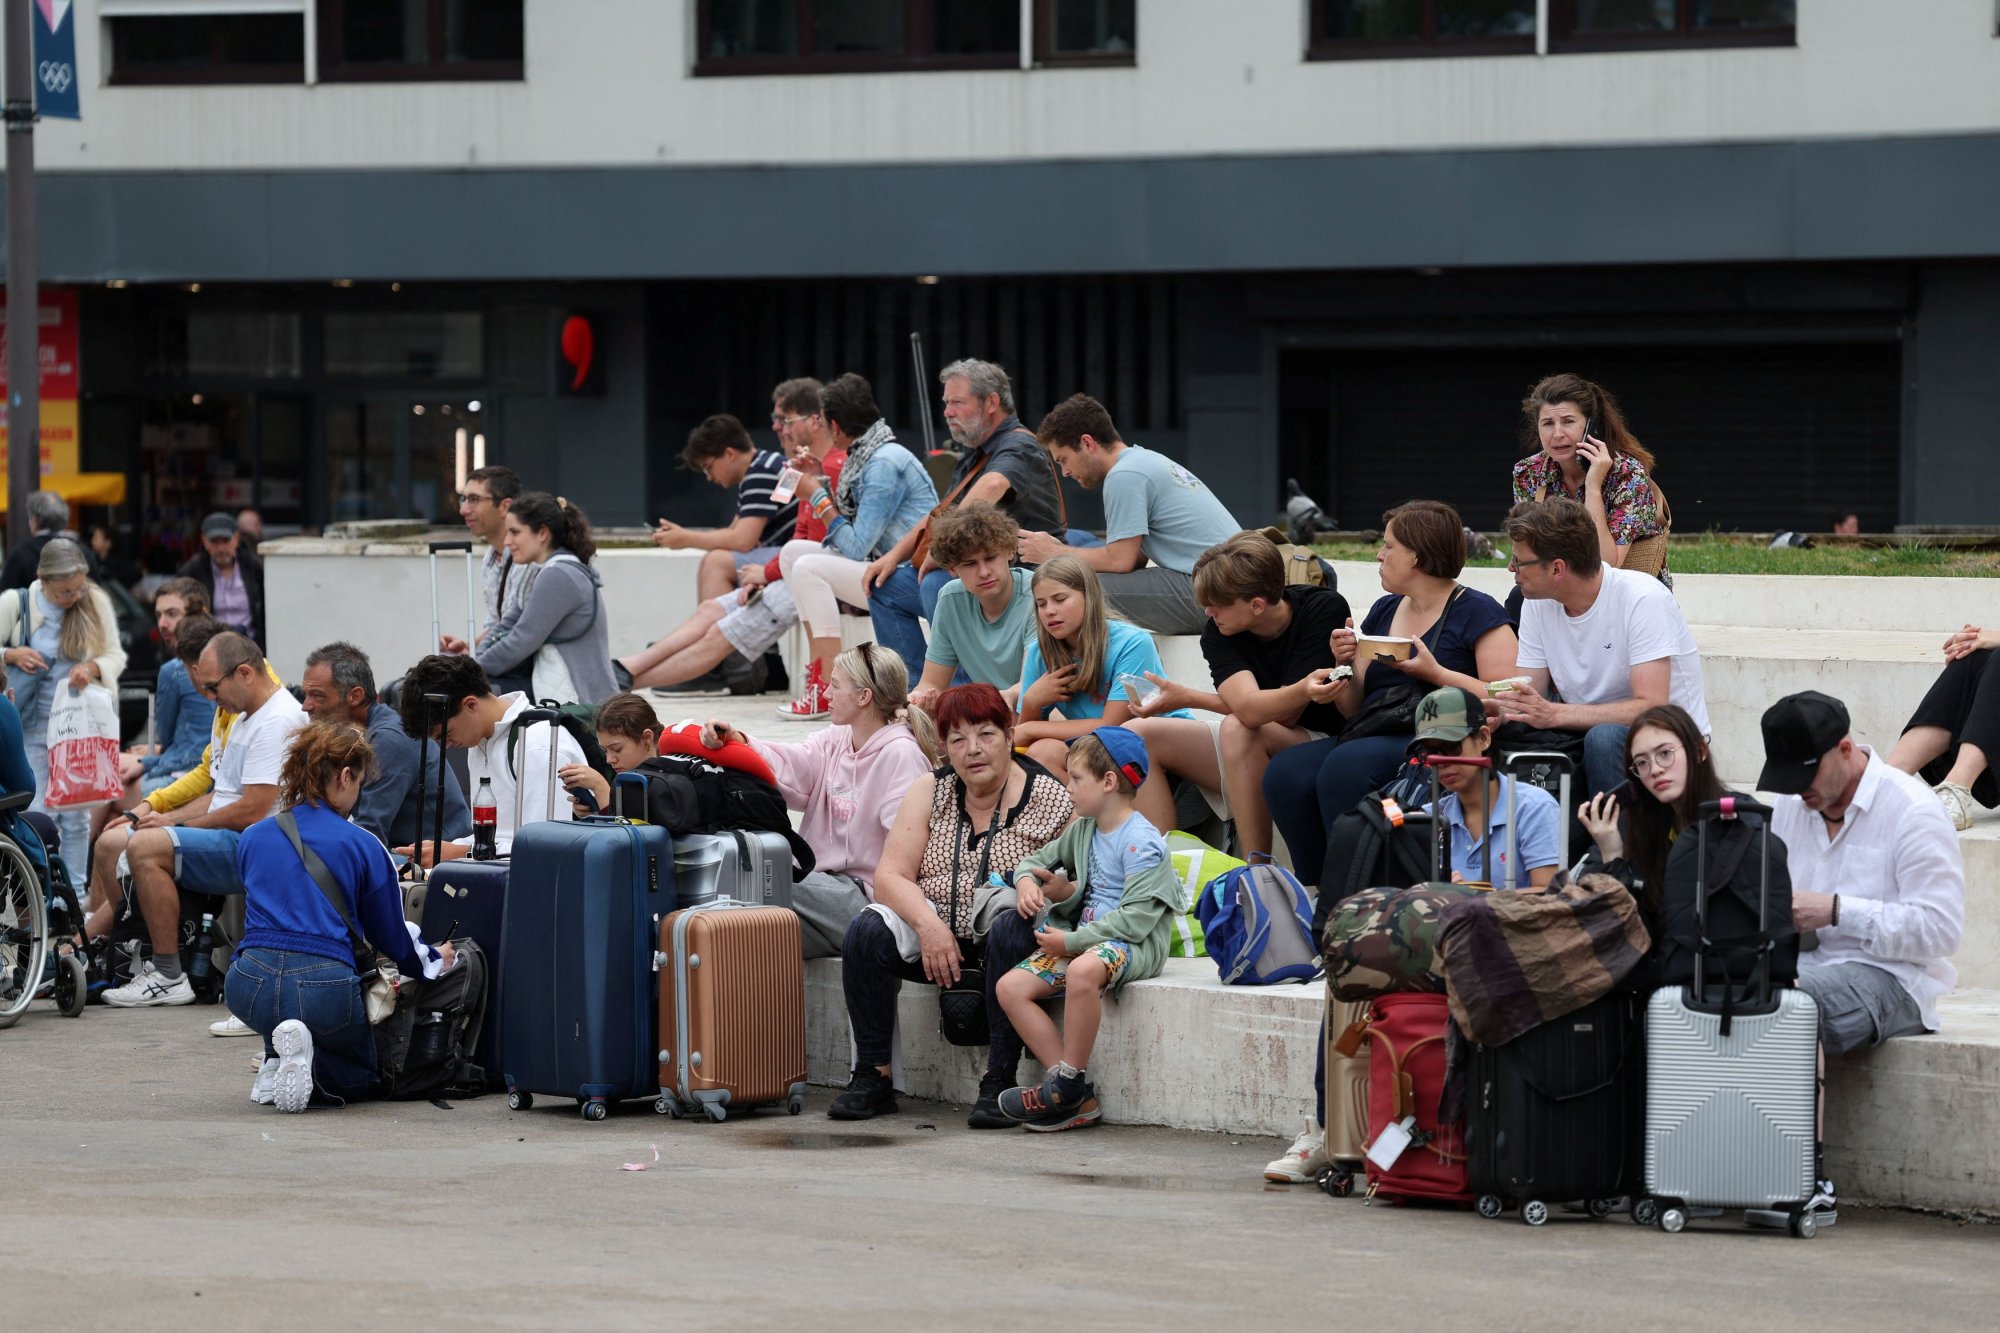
(1609, 643)
(481, 723)
(199, 855)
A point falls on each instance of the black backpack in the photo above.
(424, 1049)
(1366, 849)
(579, 720)
(1735, 942)
(688, 794)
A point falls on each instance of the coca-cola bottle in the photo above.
(485, 823)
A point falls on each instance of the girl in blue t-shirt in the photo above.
(1074, 665)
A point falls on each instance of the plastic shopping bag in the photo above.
(83, 748)
(1196, 865)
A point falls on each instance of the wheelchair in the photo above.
(38, 908)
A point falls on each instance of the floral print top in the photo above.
(1629, 507)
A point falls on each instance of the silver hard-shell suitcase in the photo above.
(1731, 1081)
(748, 865)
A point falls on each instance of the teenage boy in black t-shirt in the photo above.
(1269, 649)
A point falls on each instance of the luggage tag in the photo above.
(1391, 1143)
(1350, 1040)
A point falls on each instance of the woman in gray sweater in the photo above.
(560, 633)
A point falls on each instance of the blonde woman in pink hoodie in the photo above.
(848, 781)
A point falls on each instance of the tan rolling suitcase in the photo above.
(732, 1010)
(1346, 1094)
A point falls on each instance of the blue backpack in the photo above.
(1257, 921)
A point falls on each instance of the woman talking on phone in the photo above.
(1587, 454)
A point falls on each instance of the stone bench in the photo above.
(1915, 1122)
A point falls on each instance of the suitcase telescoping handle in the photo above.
(1441, 844)
(433, 713)
(1565, 773)
(471, 593)
(528, 717)
(1733, 807)
(618, 786)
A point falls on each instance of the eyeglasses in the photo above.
(470, 498)
(781, 423)
(1660, 758)
(208, 687)
(1516, 564)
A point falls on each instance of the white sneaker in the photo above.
(1304, 1161)
(1957, 803)
(231, 1026)
(264, 1091)
(292, 1080)
(149, 988)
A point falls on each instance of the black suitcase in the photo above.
(1555, 1114)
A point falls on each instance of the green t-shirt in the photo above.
(986, 650)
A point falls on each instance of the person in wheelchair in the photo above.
(38, 907)
(294, 978)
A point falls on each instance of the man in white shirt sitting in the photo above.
(1611, 642)
(480, 722)
(199, 855)
(1875, 872)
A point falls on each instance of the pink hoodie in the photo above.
(849, 799)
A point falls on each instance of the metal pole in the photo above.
(24, 371)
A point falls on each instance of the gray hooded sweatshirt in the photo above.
(565, 608)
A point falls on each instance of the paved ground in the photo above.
(146, 1187)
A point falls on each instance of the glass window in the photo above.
(399, 345)
(420, 39)
(1093, 32)
(208, 48)
(1346, 28)
(1617, 25)
(240, 342)
(806, 36)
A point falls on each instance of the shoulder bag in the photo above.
(379, 976)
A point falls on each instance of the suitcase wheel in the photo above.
(1645, 1212)
(667, 1106)
(520, 1101)
(595, 1109)
(1534, 1212)
(795, 1105)
(1336, 1182)
(1491, 1206)
(1600, 1208)
(1672, 1220)
(716, 1111)
(1804, 1226)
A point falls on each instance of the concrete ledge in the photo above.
(1915, 1122)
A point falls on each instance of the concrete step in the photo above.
(1916, 1122)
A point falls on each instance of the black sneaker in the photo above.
(869, 1094)
(709, 685)
(986, 1112)
(1050, 1102)
(622, 674)
(1825, 1209)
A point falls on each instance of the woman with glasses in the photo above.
(848, 781)
(61, 634)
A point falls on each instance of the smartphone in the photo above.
(584, 797)
(1625, 793)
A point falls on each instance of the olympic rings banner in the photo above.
(55, 60)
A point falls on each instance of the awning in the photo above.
(79, 488)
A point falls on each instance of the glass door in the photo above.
(401, 455)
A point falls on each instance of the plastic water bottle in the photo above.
(485, 823)
(204, 940)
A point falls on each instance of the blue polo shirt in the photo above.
(1540, 820)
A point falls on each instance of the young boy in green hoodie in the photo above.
(1110, 895)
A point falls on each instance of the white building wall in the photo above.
(608, 84)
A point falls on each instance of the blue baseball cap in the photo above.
(1127, 751)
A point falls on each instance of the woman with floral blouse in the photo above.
(1588, 455)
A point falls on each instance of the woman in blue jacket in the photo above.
(293, 979)
(884, 491)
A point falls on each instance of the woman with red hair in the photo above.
(944, 899)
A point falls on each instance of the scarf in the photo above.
(845, 498)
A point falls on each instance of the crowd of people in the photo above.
(1005, 756)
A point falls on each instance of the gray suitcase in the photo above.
(749, 866)
(1731, 1083)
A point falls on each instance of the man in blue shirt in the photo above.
(339, 685)
(1158, 518)
(1452, 721)
(182, 718)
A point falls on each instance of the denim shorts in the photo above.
(1859, 1006)
(205, 859)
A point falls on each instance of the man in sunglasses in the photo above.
(1599, 645)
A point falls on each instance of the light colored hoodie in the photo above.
(849, 798)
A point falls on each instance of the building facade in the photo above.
(326, 249)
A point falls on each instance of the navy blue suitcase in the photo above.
(579, 1008)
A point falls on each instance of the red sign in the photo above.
(58, 348)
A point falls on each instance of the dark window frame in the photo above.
(1046, 53)
(1565, 39)
(1319, 46)
(917, 54)
(334, 69)
(123, 75)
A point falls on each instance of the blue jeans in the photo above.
(268, 986)
(1308, 786)
(896, 604)
(1603, 759)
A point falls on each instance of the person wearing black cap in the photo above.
(234, 578)
(1875, 872)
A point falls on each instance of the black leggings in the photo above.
(1965, 701)
(872, 971)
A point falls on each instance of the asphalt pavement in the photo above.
(145, 1190)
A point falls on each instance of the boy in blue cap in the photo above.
(1110, 895)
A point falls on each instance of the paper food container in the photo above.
(1384, 649)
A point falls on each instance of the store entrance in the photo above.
(400, 455)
